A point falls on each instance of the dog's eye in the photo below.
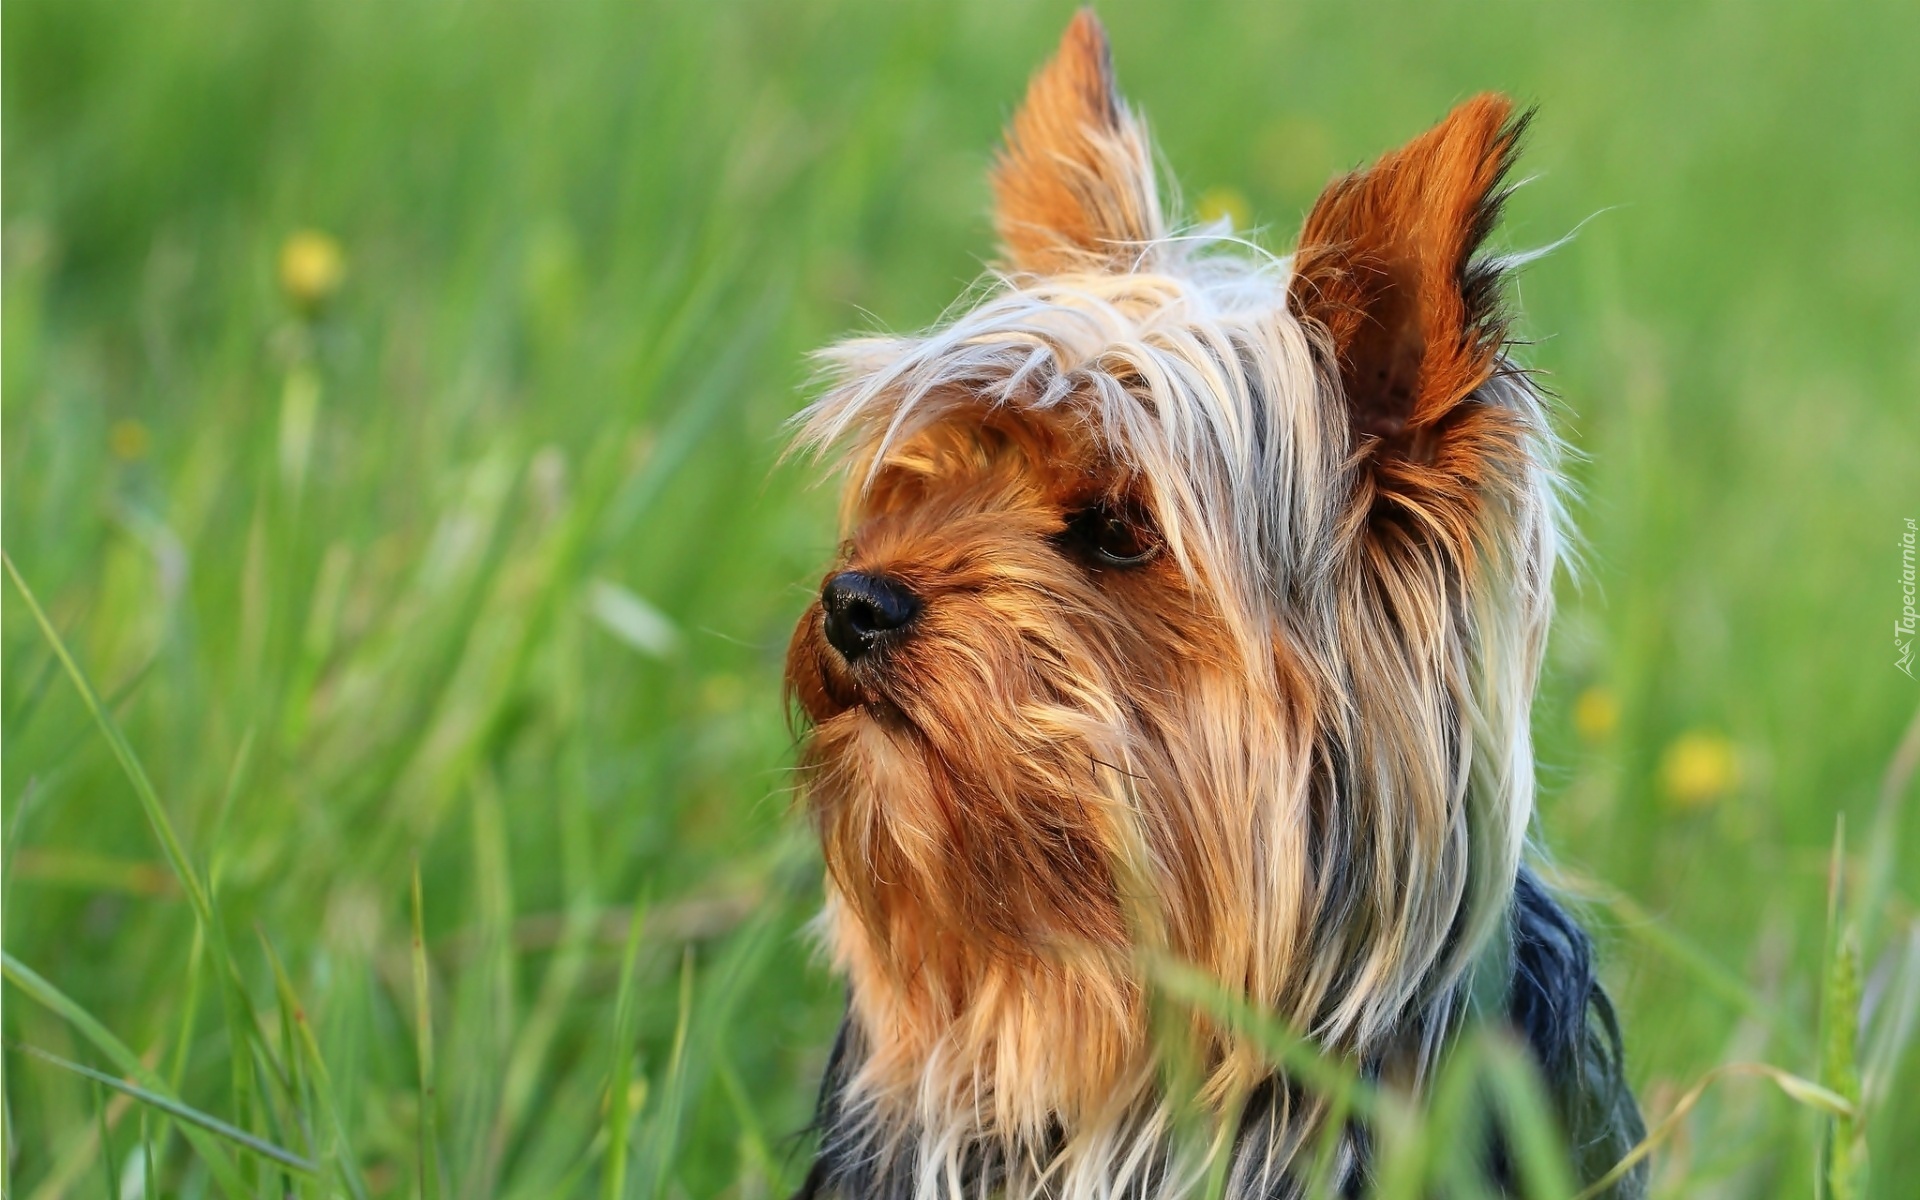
(1111, 535)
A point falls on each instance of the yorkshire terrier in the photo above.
(1191, 601)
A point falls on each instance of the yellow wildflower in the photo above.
(312, 268)
(1596, 714)
(1698, 769)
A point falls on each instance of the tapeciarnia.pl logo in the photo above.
(1903, 628)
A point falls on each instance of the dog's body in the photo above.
(1191, 604)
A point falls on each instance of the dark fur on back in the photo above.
(1554, 1003)
(1554, 1000)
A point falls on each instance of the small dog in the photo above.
(1192, 601)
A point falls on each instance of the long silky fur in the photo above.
(1551, 999)
(1294, 752)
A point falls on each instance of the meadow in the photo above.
(400, 557)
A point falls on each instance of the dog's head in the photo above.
(1188, 597)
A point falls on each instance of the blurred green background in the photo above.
(455, 534)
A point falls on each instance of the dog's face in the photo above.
(978, 661)
(1184, 601)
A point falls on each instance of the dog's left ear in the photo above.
(1073, 185)
(1387, 266)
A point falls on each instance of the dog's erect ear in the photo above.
(1073, 185)
(1386, 264)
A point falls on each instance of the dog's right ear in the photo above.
(1073, 185)
(1389, 267)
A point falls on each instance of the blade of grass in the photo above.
(11, 846)
(298, 1101)
(1457, 1124)
(1842, 1152)
(1846, 1150)
(243, 1036)
(1307, 1064)
(493, 916)
(1218, 1155)
(1897, 1014)
(529, 1053)
(284, 1101)
(189, 1010)
(1520, 1098)
(183, 1041)
(237, 1012)
(431, 1174)
(666, 1120)
(236, 776)
(1883, 852)
(1708, 971)
(50, 997)
(149, 1178)
(242, 1028)
(397, 768)
(543, 1022)
(6, 1131)
(753, 1136)
(106, 1140)
(1394, 1122)
(569, 1142)
(339, 1149)
(164, 1103)
(112, 702)
(1326, 1158)
(608, 503)
(143, 787)
(619, 1118)
(1801, 1091)
(569, 1184)
(723, 984)
(37, 689)
(529, 1050)
(1408, 1153)
(76, 1159)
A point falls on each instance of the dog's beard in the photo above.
(977, 791)
(958, 784)
(1051, 776)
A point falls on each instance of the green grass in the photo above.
(355, 585)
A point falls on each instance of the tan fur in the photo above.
(1074, 183)
(1291, 749)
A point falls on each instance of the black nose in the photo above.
(861, 610)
